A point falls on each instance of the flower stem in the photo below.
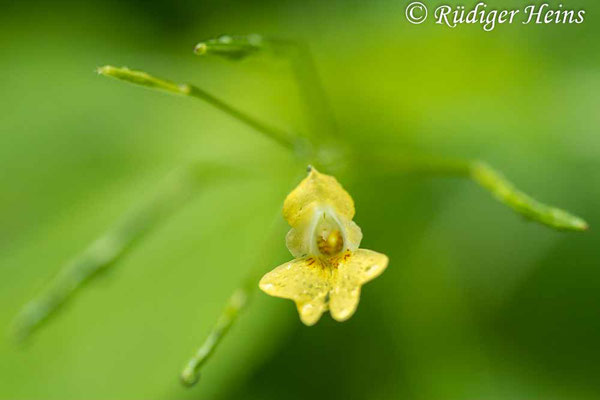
(285, 139)
(310, 85)
(311, 88)
(488, 178)
(522, 203)
(112, 246)
(236, 303)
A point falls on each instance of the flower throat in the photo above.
(329, 238)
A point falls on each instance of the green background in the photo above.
(476, 303)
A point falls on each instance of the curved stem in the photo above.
(283, 138)
(488, 178)
(236, 303)
(237, 47)
(522, 203)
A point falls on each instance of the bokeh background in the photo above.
(476, 304)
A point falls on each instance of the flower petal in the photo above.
(352, 235)
(316, 190)
(362, 266)
(303, 280)
(298, 241)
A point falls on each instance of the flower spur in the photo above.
(329, 268)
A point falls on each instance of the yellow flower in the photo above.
(329, 268)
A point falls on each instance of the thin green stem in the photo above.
(113, 245)
(522, 203)
(488, 178)
(310, 85)
(285, 139)
(236, 303)
(303, 66)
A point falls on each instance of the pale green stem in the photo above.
(303, 66)
(236, 303)
(287, 140)
(489, 179)
(311, 86)
(112, 245)
(525, 205)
